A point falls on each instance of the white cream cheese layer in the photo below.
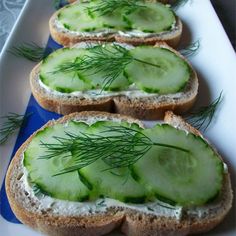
(64, 207)
(131, 92)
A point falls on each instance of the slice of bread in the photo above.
(66, 37)
(142, 106)
(55, 219)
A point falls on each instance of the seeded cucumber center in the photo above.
(161, 71)
(183, 178)
(181, 167)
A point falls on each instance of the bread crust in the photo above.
(147, 108)
(172, 38)
(131, 222)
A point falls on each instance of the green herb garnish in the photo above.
(191, 49)
(12, 123)
(110, 62)
(30, 51)
(101, 203)
(118, 147)
(106, 7)
(202, 118)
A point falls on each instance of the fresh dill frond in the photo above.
(12, 123)
(191, 49)
(107, 60)
(202, 118)
(106, 7)
(178, 3)
(30, 51)
(117, 146)
(101, 203)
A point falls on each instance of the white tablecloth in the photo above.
(9, 11)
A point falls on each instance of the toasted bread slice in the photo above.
(54, 219)
(141, 106)
(66, 37)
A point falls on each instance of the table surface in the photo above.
(10, 9)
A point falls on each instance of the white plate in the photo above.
(215, 64)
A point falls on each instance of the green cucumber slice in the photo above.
(116, 20)
(41, 171)
(153, 18)
(116, 184)
(67, 82)
(61, 81)
(76, 17)
(164, 72)
(113, 183)
(181, 178)
(99, 80)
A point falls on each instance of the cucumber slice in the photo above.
(182, 178)
(41, 171)
(61, 81)
(76, 17)
(116, 20)
(99, 80)
(117, 184)
(113, 183)
(153, 18)
(67, 82)
(119, 84)
(170, 74)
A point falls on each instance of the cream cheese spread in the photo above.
(64, 207)
(132, 92)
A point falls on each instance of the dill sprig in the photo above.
(178, 3)
(109, 61)
(202, 118)
(30, 51)
(191, 49)
(12, 123)
(106, 7)
(117, 146)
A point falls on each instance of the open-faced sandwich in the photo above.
(142, 81)
(90, 173)
(126, 21)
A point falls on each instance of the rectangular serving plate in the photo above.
(215, 64)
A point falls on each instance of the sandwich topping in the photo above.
(115, 68)
(82, 162)
(126, 16)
